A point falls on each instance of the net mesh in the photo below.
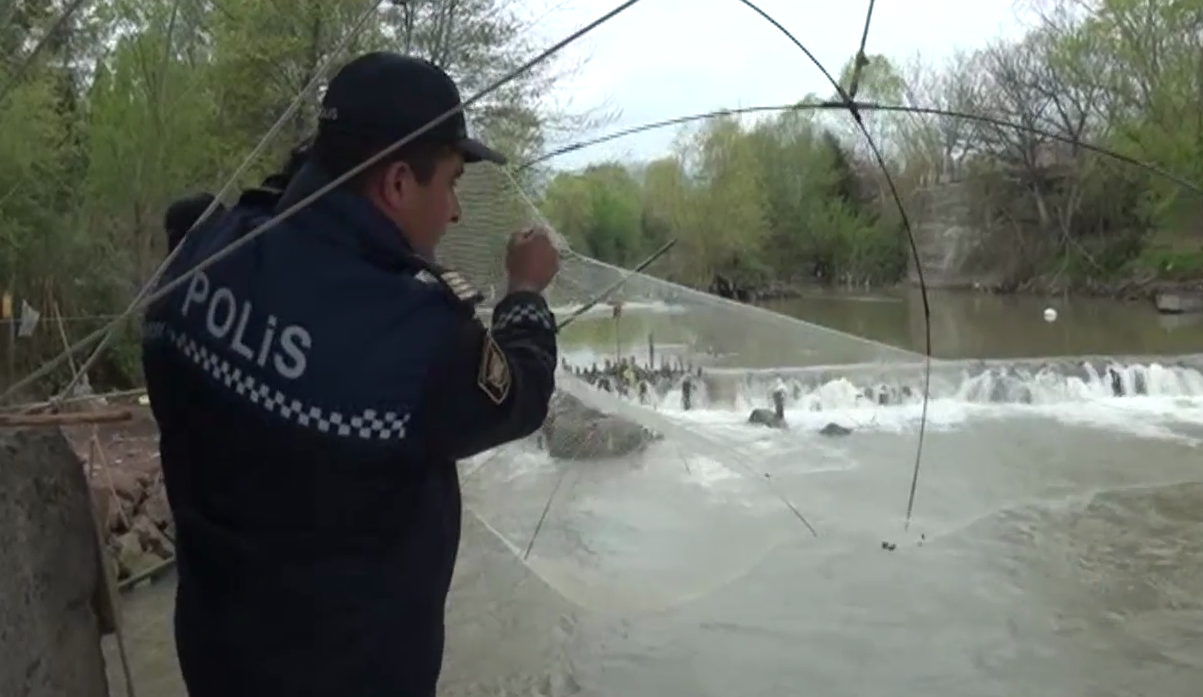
(657, 374)
(664, 387)
(638, 368)
(700, 326)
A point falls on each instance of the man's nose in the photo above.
(455, 210)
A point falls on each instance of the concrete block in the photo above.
(49, 556)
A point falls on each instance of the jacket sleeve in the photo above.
(491, 386)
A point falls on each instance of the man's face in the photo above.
(423, 211)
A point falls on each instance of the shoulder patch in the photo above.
(494, 376)
(461, 287)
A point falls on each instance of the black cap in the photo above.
(390, 96)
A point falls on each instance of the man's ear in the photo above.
(395, 183)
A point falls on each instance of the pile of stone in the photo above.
(132, 507)
(575, 431)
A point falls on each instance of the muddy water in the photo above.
(1065, 562)
(976, 325)
(1056, 546)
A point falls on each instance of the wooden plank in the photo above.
(80, 399)
(83, 417)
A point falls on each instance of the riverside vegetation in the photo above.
(135, 102)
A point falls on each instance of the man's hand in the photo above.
(531, 260)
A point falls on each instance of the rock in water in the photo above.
(834, 429)
(49, 570)
(766, 417)
(576, 431)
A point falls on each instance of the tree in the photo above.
(598, 211)
(878, 80)
(133, 103)
(666, 197)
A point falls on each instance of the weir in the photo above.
(1024, 380)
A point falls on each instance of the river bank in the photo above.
(1127, 289)
(1134, 289)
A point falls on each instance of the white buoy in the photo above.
(1050, 315)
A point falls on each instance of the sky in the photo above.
(666, 58)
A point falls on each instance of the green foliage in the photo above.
(134, 103)
(776, 201)
(802, 198)
(1118, 74)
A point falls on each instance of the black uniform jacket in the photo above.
(314, 390)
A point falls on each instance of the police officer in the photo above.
(314, 390)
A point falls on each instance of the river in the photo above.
(977, 325)
(1056, 546)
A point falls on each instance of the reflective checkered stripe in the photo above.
(368, 424)
(524, 313)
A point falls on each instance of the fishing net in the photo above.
(639, 338)
(657, 380)
(658, 384)
(705, 326)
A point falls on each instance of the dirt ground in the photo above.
(130, 446)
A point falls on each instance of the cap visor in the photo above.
(476, 151)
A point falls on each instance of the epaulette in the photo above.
(454, 282)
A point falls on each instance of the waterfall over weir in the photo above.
(1025, 381)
